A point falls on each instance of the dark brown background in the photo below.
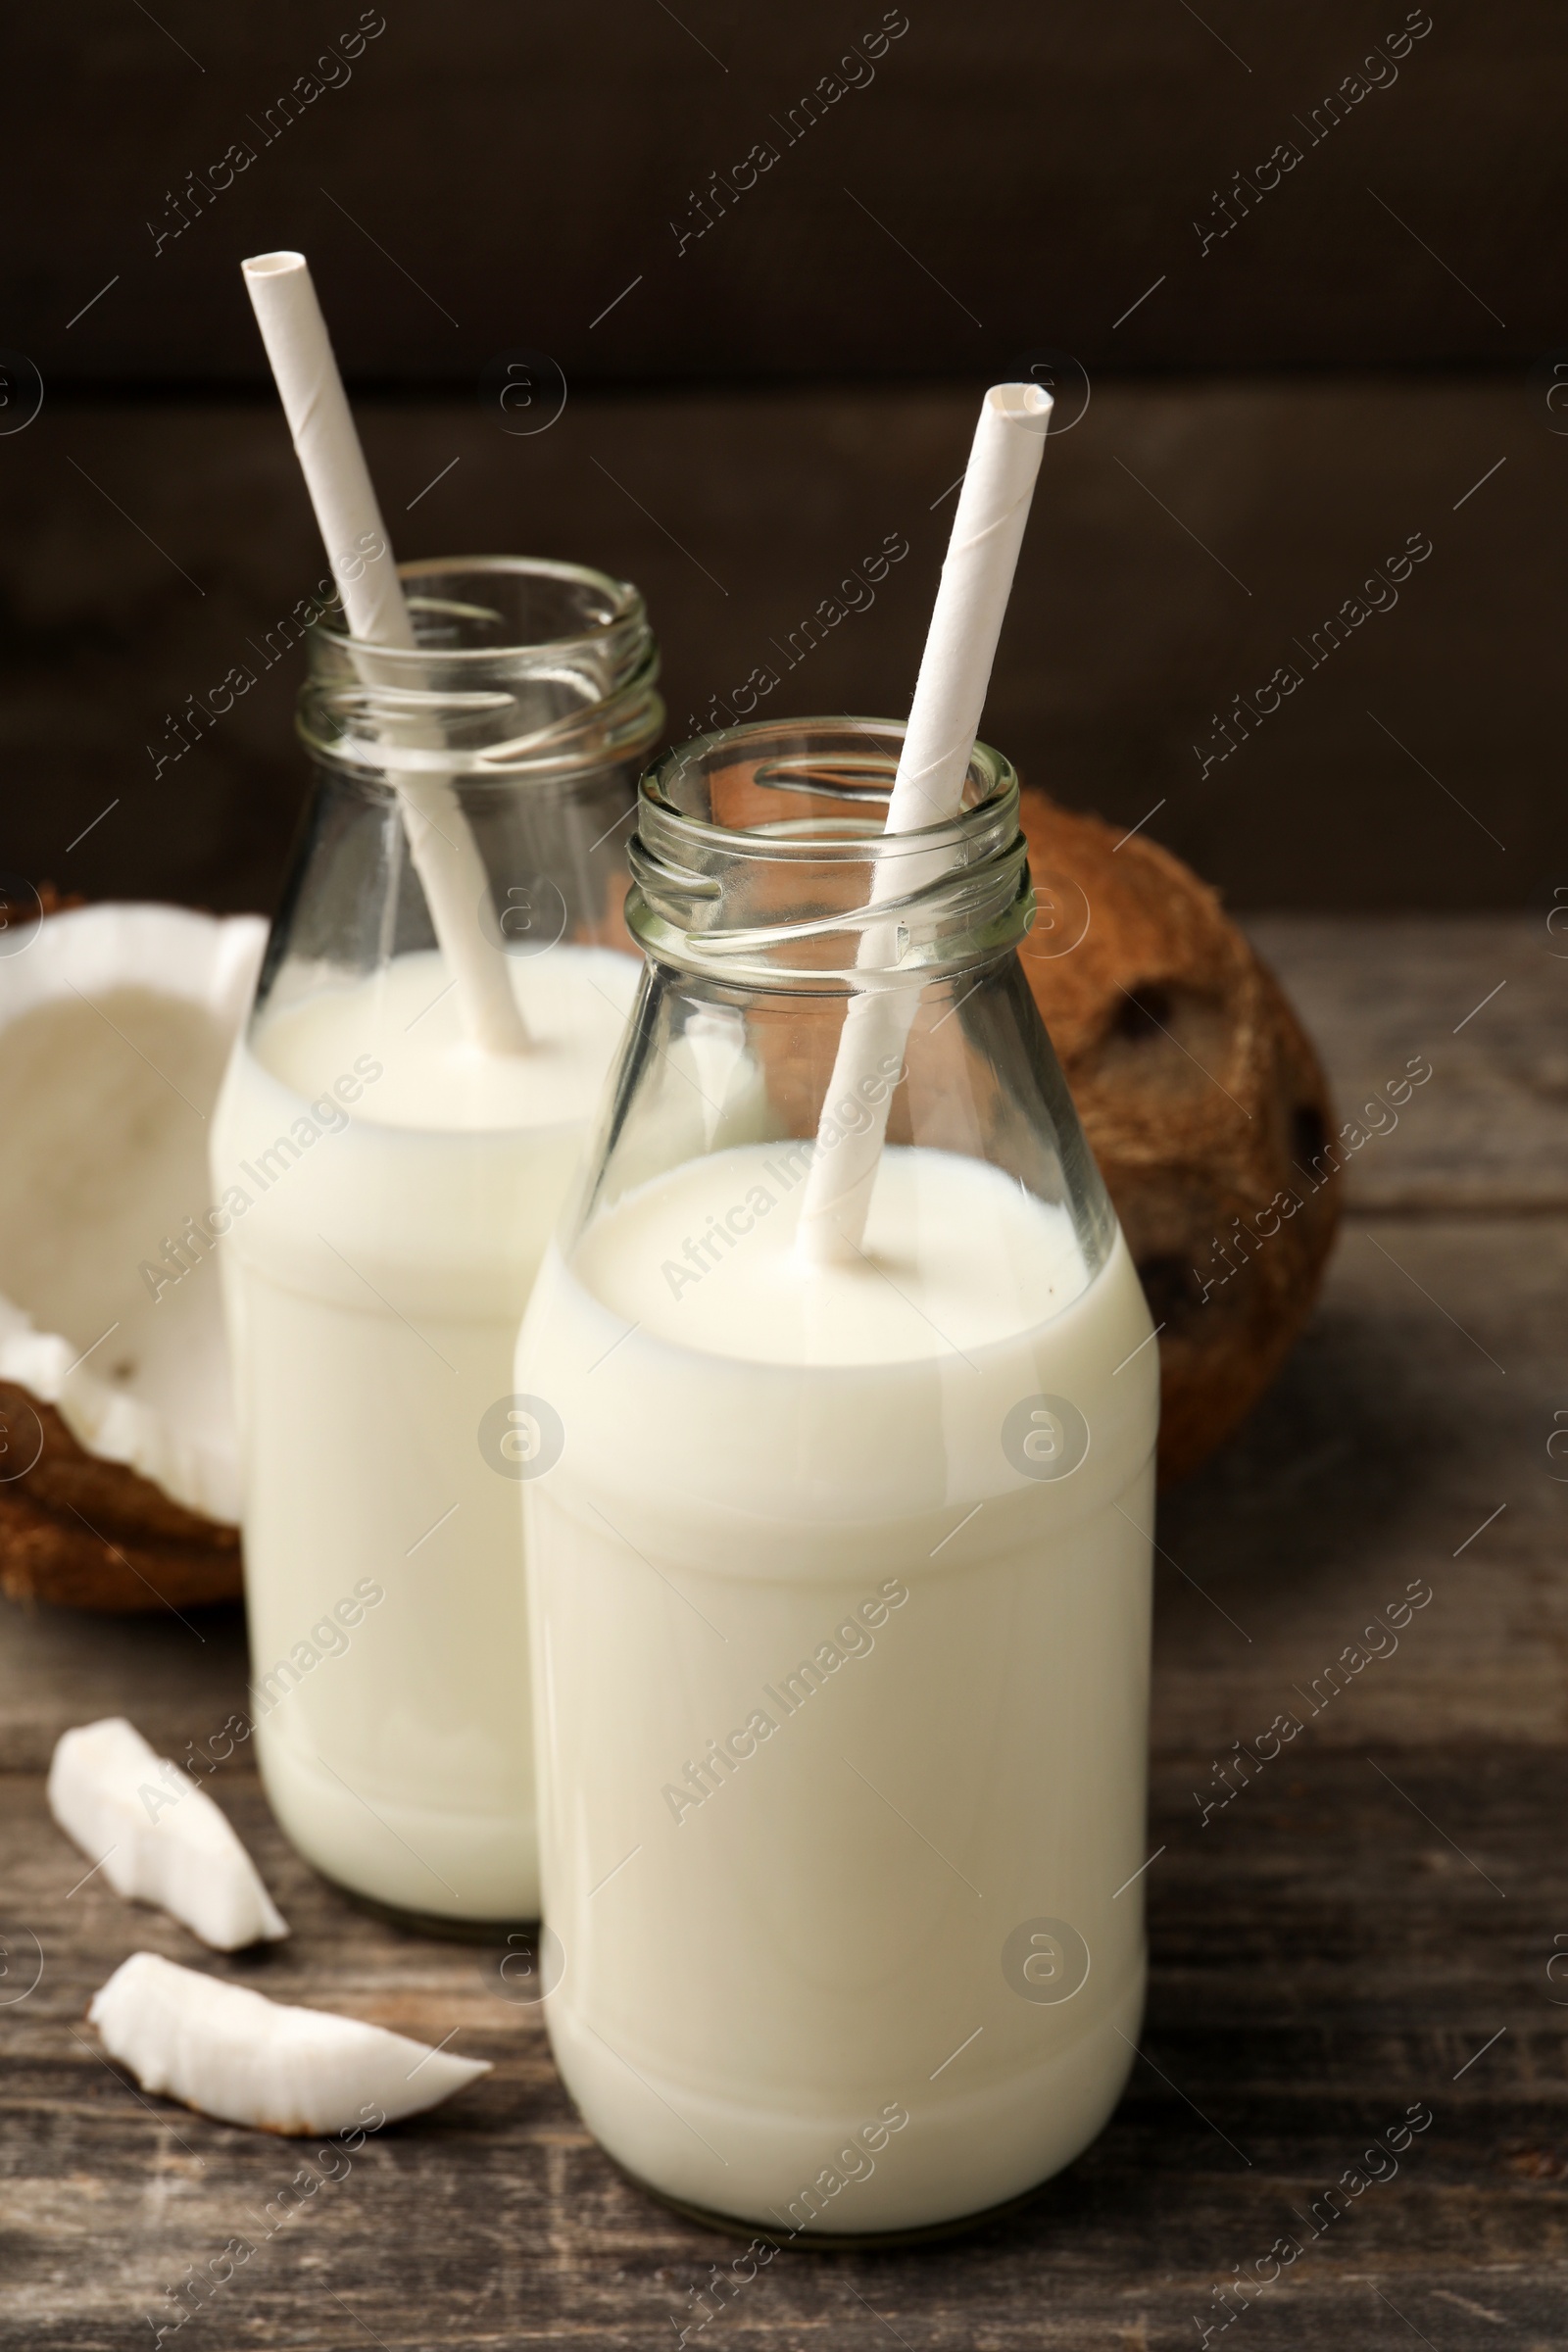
(761, 409)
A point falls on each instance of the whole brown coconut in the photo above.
(1205, 1104)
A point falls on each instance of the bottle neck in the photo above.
(761, 858)
(523, 671)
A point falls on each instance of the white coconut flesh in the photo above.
(156, 1836)
(236, 2055)
(115, 1023)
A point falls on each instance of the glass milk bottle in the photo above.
(386, 1190)
(839, 1572)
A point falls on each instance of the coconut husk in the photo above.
(1204, 1102)
(86, 1533)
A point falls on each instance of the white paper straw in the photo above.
(928, 789)
(445, 856)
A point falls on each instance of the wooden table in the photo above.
(1369, 1926)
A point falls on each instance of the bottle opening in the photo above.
(488, 604)
(523, 668)
(761, 851)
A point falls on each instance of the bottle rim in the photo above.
(624, 599)
(855, 906)
(540, 711)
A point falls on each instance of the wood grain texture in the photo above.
(1188, 540)
(1486, 1002)
(1325, 1960)
(1367, 1924)
(1025, 174)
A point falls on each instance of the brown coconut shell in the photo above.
(92, 1534)
(1204, 1102)
(86, 1533)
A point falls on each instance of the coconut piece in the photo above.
(1205, 1104)
(118, 1461)
(159, 1837)
(232, 2053)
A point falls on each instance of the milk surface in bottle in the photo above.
(396, 1133)
(840, 1572)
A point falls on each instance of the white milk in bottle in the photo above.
(402, 1188)
(840, 1572)
(386, 1187)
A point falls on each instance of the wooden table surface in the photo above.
(1370, 1926)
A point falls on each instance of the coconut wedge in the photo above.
(236, 2055)
(118, 1461)
(160, 1839)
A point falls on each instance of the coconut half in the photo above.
(118, 1460)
